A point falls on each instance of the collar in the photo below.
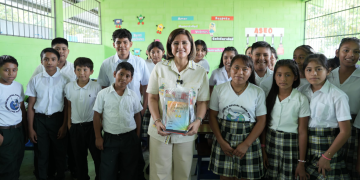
(335, 72)
(171, 63)
(77, 87)
(326, 87)
(117, 59)
(126, 92)
(292, 95)
(45, 74)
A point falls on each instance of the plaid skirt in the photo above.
(350, 153)
(282, 150)
(145, 123)
(319, 141)
(250, 166)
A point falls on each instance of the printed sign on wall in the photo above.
(138, 36)
(222, 18)
(222, 38)
(188, 26)
(182, 18)
(267, 31)
(216, 49)
(200, 31)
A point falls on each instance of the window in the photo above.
(328, 21)
(27, 18)
(82, 21)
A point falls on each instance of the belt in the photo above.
(85, 124)
(9, 127)
(48, 116)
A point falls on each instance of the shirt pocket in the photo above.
(321, 111)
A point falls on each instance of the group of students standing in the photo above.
(273, 119)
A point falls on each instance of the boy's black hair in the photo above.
(157, 44)
(127, 66)
(121, 33)
(84, 62)
(332, 64)
(8, 59)
(274, 91)
(59, 41)
(248, 62)
(49, 50)
(349, 39)
(307, 49)
(202, 43)
(260, 44)
(319, 58)
(230, 48)
(273, 51)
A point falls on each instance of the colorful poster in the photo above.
(215, 49)
(261, 31)
(222, 18)
(138, 36)
(182, 18)
(199, 31)
(222, 38)
(188, 26)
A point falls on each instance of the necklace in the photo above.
(238, 92)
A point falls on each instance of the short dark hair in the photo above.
(127, 66)
(121, 33)
(273, 51)
(260, 44)
(171, 38)
(157, 44)
(307, 49)
(230, 48)
(248, 62)
(202, 43)
(349, 39)
(59, 40)
(8, 59)
(84, 62)
(319, 58)
(49, 50)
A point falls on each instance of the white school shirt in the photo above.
(67, 70)
(11, 97)
(219, 76)
(205, 64)
(164, 76)
(232, 107)
(82, 100)
(265, 82)
(117, 111)
(150, 65)
(285, 114)
(49, 92)
(328, 106)
(141, 72)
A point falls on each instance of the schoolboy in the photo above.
(47, 121)
(261, 54)
(119, 107)
(12, 118)
(81, 95)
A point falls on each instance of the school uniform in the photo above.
(265, 82)
(12, 148)
(328, 107)
(219, 76)
(351, 88)
(205, 64)
(174, 158)
(48, 118)
(282, 140)
(67, 70)
(121, 143)
(82, 133)
(236, 118)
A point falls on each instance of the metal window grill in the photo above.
(82, 21)
(328, 21)
(27, 18)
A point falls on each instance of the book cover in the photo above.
(177, 117)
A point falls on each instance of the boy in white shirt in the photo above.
(47, 121)
(81, 95)
(119, 107)
(12, 118)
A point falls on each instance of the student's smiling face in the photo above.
(284, 77)
(299, 57)
(83, 73)
(8, 73)
(122, 78)
(227, 57)
(261, 57)
(122, 47)
(349, 54)
(63, 51)
(200, 53)
(50, 61)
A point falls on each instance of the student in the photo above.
(287, 118)
(222, 74)
(47, 121)
(299, 55)
(237, 118)
(261, 54)
(329, 125)
(119, 108)
(273, 59)
(81, 95)
(66, 68)
(201, 52)
(248, 51)
(347, 78)
(12, 120)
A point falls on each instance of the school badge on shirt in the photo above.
(12, 103)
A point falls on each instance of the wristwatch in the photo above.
(199, 118)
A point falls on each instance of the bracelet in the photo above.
(158, 119)
(199, 118)
(325, 157)
(262, 145)
(303, 161)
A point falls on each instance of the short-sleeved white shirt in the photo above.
(328, 106)
(205, 64)
(150, 65)
(219, 76)
(164, 76)
(67, 70)
(82, 100)
(141, 72)
(265, 82)
(285, 114)
(49, 92)
(117, 111)
(232, 107)
(10, 98)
